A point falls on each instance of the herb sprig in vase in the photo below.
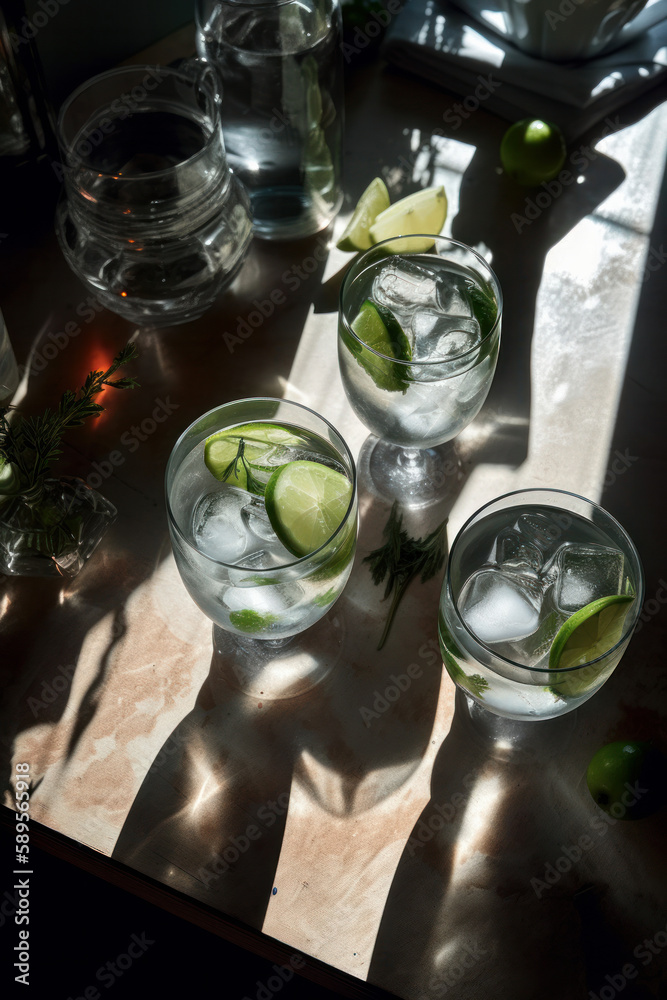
(50, 526)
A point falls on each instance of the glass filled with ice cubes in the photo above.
(259, 594)
(419, 332)
(542, 592)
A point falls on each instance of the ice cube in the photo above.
(427, 420)
(499, 606)
(541, 531)
(586, 572)
(269, 600)
(424, 324)
(516, 554)
(534, 651)
(460, 340)
(281, 454)
(451, 297)
(250, 574)
(217, 524)
(256, 520)
(445, 337)
(404, 286)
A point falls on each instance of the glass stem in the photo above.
(277, 643)
(408, 458)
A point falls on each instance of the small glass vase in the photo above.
(52, 531)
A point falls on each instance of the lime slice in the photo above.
(252, 621)
(422, 212)
(306, 502)
(590, 632)
(586, 635)
(374, 200)
(259, 438)
(323, 600)
(379, 329)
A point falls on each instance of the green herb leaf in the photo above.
(32, 444)
(402, 558)
(253, 485)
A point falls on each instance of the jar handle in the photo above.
(202, 72)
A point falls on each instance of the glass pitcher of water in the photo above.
(280, 69)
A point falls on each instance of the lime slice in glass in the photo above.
(379, 329)
(590, 632)
(252, 621)
(586, 635)
(306, 502)
(374, 200)
(422, 212)
(220, 449)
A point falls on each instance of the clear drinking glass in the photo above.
(153, 220)
(9, 373)
(280, 66)
(441, 305)
(53, 529)
(236, 570)
(518, 569)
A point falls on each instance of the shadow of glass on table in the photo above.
(469, 910)
(212, 811)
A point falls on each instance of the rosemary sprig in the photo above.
(402, 558)
(253, 485)
(31, 444)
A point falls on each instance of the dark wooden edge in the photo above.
(200, 914)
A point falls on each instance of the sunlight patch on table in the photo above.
(584, 322)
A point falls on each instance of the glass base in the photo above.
(504, 737)
(271, 669)
(413, 476)
(289, 213)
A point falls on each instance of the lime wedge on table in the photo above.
(379, 329)
(587, 634)
(306, 501)
(422, 212)
(259, 439)
(374, 200)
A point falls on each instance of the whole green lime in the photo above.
(628, 779)
(533, 151)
